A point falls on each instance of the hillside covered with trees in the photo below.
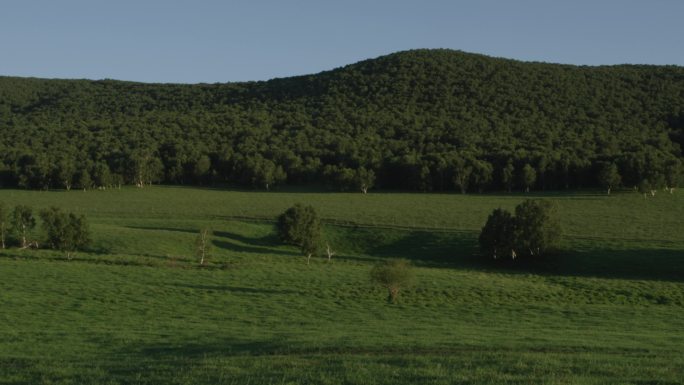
(426, 120)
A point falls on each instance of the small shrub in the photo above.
(393, 275)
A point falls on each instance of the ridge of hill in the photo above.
(423, 120)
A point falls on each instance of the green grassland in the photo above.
(136, 308)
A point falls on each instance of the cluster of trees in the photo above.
(64, 231)
(299, 225)
(426, 120)
(532, 231)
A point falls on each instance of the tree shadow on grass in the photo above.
(646, 264)
(269, 240)
(461, 250)
(157, 228)
(232, 246)
(433, 249)
(238, 289)
(235, 242)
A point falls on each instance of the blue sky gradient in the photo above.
(221, 41)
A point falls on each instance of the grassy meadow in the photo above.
(137, 309)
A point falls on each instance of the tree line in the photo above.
(424, 120)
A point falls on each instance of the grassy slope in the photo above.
(137, 311)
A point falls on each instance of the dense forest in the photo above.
(426, 120)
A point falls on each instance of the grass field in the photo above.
(136, 308)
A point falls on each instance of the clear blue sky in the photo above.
(219, 41)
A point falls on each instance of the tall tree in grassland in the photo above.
(311, 243)
(23, 222)
(84, 180)
(608, 176)
(203, 244)
(528, 177)
(144, 167)
(65, 172)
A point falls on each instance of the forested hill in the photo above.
(422, 120)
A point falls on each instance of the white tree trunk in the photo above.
(329, 251)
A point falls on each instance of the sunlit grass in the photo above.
(137, 309)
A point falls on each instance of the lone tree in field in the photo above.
(393, 275)
(498, 235)
(608, 176)
(537, 227)
(67, 232)
(534, 230)
(23, 222)
(203, 244)
(299, 225)
(329, 251)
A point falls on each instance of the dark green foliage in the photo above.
(84, 180)
(299, 225)
(497, 238)
(67, 232)
(507, 175)
(645, 187)
(534, 230)
(463, 170)
(22, 222)
(608, 176)
(393, 275)
(673, 174)
(421, 120)
(347, 179)
(528, 177)
(537, 227)
(364, 179)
